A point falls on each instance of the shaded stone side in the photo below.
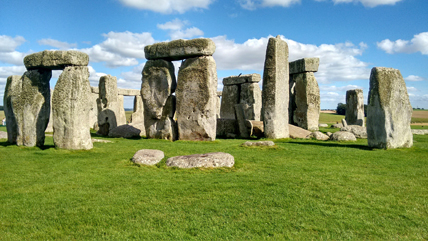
(355, 107)
(307, 99)
(138, 111)
(389, 111)
(292, 99)
(32, 109)
(275, 89)
(229, 99)
(180, 49)
(55, 60)
(70, 105)
(93, 110)
(159, 105)
(196, 99)
(251, 100)
(241, 79)
(12, 95)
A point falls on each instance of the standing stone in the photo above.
(240, 117)
(32, 109)
(389, 111)
(138, 110)
(12, 95)
(159, 105)
(228, 101)
(355, 107)
(70, 104)
(275, 89)
(109, 107)
(50, 124)
(93, 110)
(307, 99)
(196, 99)
(251, 98)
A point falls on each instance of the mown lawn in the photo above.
(301, 189)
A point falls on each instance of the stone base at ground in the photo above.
(318, 136)
(359, 131)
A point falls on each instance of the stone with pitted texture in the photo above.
(259, 143)
(419, 132)
(241, 79)
(226, 126)
(196, 99)
(70, 105)
(319, 136)
(359, 131)
(228, 101)
(251, 100)
(11, 98)
(180, 49)
(355, 107)
(55, 60)
(148, 157)
(304, 65)
(343, 136)
(298, 132)
(208, 160)
(275, 89)
(307, 101)
(389, 111)
(165, 127)
(244, 132)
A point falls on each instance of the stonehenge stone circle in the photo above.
(389, 111)
(12, 94)
(355, 107)
(208, 160)
(304, 105)
(275, 90)
(55, 60)
(110, 114)
(180, 49)
(70, 105)
(158, 84)
(196, 99)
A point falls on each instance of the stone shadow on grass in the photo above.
(330, 144)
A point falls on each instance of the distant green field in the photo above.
(418, 116)
(1, 115)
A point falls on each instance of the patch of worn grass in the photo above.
(301, 189)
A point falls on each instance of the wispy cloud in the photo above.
(176, 29)
(419, 43)
(168, 6)
(56, 43)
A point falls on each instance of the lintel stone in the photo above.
(304, 65)
(55, 60)
(241, 79)
(180, 49)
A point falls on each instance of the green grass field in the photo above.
(300, 189)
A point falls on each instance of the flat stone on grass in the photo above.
(148, 157)
(259, 143)
(210, 160)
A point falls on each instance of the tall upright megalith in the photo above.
(70, 105)
(196, 99)
(355, 107)
(12, 95)
(275, 90)
(158, 84)
(389, 111)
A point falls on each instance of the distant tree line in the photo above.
(341, 109)
(1, 107)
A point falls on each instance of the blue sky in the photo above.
(349, 36)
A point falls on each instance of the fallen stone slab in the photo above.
(99, 140)
(419, 132)
(3, 135)
(323, 125)
(317, 135)
(343, 136)
(258, 143)
(298, 132)
(125, 131)
(304, 65)
(359, 131)
(148, 157)
(180, 49)
(241, 79)
(55, 60)
(210, 160)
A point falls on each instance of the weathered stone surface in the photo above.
(343, 136)
(3, 135)
(304, 65)
(196, 99)
(128, 92)
(148, 157)
(165, 127)
(337, 125)
(329, 134)
(319, 136)
(208, 160)
(140, 126)
(180, 49)
(244, 132)
(93, 110)
(55, 60)
(228, 101)
(227, 126)
(158, 84)
(219, 93)
(358, 131)
(259, 143)
(251, 98)
(110, 105)
(256, 128)
(298, 132)
(241, 79)
(218, 106)
(30, 105)
(344, 123)
(322, 125)
(70, 105)
(355, 107)
(275, 89)
(307, 101)
(12, 95)
(125, 131)
(95, 90)
(419, 132)
(389, 111)
(138, 111)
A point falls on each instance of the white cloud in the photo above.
(9, 44)
(254, 4)
(120, 48)
(419, 43)
(337, 62)
(94, 76)
(414, 78)
(366, 3)
(135, 74)
(168, 6)
(176, 31)
(332, 98)
(412, 89)
(56, 44)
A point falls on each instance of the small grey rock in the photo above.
(213, 160)
(258, 143)
(148, 157)
(323, 125)
(343, 136)
(318, 136)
